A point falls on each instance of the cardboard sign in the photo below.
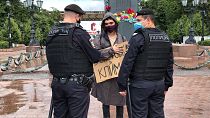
(108, 69)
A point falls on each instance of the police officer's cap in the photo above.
(145, 11)
(75, 8)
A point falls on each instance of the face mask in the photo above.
(138, 25)
(79, 21)
(111, 28)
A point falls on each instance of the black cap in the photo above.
(145, 11)
(75, 8)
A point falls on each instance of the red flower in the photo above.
(107, 8)
(125, 17)
(130, 11)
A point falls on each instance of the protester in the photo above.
(107, 43)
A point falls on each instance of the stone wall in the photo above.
(184, 50)
(189, 55)
(18, 48)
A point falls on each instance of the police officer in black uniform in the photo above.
(148, 64)
(70, 57)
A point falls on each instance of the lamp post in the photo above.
(191, 9)
(181, 32)
(9, 23)
(30, 4)
(203, 2)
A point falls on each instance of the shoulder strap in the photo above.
(55, 34)
(146, 45)
(145, 35)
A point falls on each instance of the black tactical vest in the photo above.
(64, 55)
(151, 64)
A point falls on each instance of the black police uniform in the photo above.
(149, 65)
(70, 57)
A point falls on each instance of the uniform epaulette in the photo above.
(134, 34)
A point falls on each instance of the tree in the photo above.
(179, 27)
(21, 22)
(15, 31)
(26, 32)
(166, 11)
(170, 15)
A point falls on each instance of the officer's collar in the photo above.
(69, 25)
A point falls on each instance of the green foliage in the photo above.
(204, 43)
(171, 17)
(16, 34)
(179, 27)
(39, 35)
(15, 31)
(4, 44)
(2, 38)
(166, 12)
(26, 32)
(21, 22)
(197, 22)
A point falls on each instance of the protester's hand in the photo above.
(117, 49)
(122, 93)
(165, 92)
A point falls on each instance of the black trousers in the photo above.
(106, 111)
(70, 100)
(147, 99)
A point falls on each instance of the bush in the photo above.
(4, 44)
(204, 43)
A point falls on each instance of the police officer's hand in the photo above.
(122, 93)
(117, 49)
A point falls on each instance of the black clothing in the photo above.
(70, 54)
(106, 111)
(145, 11)
(75, 8)
(70, 100)
(147, 101)
(136, 47)
(149, 65)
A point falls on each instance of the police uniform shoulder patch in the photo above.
(53, 31)
(134, 34)
(158, 37)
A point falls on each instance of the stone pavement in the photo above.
(29, 96)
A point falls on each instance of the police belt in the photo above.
(79, 78)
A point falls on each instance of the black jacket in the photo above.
(136, 47)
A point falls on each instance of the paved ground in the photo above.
(189, 98)
(27, 95)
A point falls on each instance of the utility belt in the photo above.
(80, 79)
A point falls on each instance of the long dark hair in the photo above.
(103, 32)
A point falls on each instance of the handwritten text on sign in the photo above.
(110, 68)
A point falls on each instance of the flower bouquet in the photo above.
(128, 16)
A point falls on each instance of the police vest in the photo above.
(64, 55)
(151, 64)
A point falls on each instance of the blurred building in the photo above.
(91, 15)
